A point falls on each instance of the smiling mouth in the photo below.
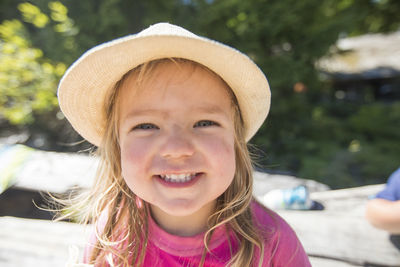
(178, 178)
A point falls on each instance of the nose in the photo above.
(177, 144)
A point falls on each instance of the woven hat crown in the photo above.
(166, 29)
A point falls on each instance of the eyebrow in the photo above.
(212, 109)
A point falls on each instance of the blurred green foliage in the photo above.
(27, 79)
(360, 148)
(308, 133)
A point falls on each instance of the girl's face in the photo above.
(177, 139)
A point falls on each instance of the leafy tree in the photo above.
(308, 133)
(27, 79)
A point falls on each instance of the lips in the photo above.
(179, 179)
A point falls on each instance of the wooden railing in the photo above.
(341, 232)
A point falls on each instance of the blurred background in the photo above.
(333, 68)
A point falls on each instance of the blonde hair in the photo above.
(111, 194)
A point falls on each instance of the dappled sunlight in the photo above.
(329, 143)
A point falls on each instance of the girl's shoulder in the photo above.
(282, 245)
(266, 219)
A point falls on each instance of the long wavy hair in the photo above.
(123, 239)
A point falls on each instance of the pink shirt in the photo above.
(282, 247)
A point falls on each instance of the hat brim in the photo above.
(85, 85)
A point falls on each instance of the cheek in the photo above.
(228, 163)
(222, 157)
(133, 160)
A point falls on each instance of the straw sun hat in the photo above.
(83, 88)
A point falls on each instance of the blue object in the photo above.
(392, 189)
(297, 198)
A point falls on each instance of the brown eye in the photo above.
(205, 123)
(146, 126)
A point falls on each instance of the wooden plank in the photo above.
(344, 236)
(56, 172)
(28, 242)
(341, 231)
(264, 182)
(349, 201)
(324, 262)
(361, 192)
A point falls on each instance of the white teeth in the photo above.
(178, 178)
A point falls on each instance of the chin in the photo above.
(182, 208)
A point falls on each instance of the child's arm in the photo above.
(384, 214)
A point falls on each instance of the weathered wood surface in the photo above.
(325, 262)
(337, 236)
(341, 231)
(33, 243)
(264, 182)
(56, 172)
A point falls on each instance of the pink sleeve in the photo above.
(282, 247)
(288, 250)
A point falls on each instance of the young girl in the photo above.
(171, 113)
